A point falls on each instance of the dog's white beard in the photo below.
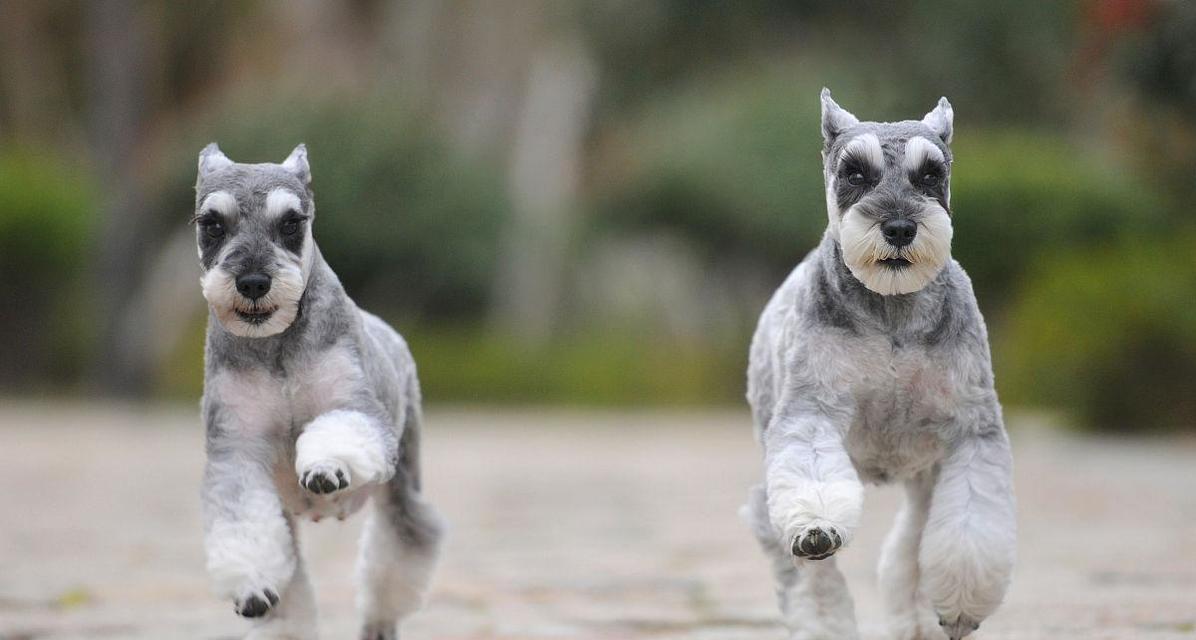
(286, 288)
(864, 246)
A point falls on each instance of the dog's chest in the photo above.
(904, 401)
(275, 404)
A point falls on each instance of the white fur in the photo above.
(347, 437)
(969, 544)
(918, 150)
(811, 480)
(223, 203)
(281, 200)
(286, 288)
(819, 606)
(393, 577)
(245, 557)
(867, 147)
(864, 245)
(909, 613)
(294, 617)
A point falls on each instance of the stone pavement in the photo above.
(571, 525)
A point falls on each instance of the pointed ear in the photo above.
(296, 163)
(212, 159)
(940, 120)
(834, 118)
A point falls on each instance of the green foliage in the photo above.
(1109, 333)
(1018, 196)
(47, 217)
(735, 168)
(471, 365)
(409, 226)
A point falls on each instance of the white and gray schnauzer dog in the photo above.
(871, 364)
(312, 408)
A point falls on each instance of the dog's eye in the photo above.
(290, 224)
(213, 229)
(930, 179)
(857, 179)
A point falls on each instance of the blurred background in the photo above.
(575, 212)
(588, 203)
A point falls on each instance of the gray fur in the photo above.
(850, 386)
(334, 365)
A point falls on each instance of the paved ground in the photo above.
(565, 525)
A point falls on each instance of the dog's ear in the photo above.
(834, 118)
(212, 159)
(941, 119)
(296, 163)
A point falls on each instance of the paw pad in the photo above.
(324, 478)
(256, 605)
(816, 543)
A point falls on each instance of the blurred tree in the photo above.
(117, 35)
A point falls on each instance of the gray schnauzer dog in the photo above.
(312, 408)
(871, 364)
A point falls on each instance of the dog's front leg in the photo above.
(248, 540)
(814, 493)
(813, 500)
(968, 547)
(343, 448)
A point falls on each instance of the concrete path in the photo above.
(612, 526)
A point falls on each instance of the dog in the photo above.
(870, 364)
(311, 406)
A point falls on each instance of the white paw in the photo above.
(345, 441)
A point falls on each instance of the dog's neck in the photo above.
(322, 317)
(909, 315)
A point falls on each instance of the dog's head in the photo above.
(888, 195)
(253, 228)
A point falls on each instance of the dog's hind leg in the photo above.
(909, 614)
(812, 594)
(294, 617)
(399, 545)
(969, 544)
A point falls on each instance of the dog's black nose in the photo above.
(253, 285)
(899, 232)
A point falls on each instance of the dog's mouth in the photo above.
(255, 316)
(894, 263)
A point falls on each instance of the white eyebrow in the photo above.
(867, 148)
(222, 202)
(281, 200)
(918, 150)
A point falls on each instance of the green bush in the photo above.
(409, 226)
(596, 368)
(47, 216)
(1017, 196)
(1109, 333)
